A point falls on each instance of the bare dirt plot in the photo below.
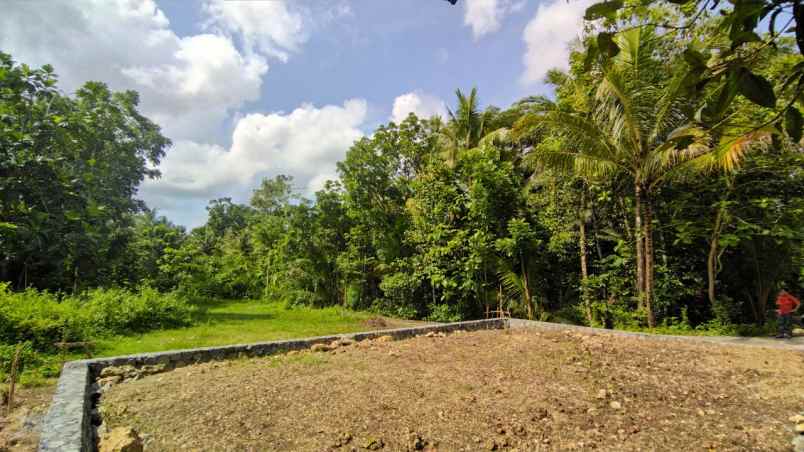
(487, 390)
(19, 430)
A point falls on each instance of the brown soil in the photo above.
(19, 431)
(487, 390)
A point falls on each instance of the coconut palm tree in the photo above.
(466, 127)
(638, 122)
(624, 128)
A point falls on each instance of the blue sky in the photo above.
(250, 89)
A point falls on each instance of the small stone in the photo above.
(492, 445)
(126, 371)
(615, 405)
(385, 338)
(602, 394)
(120, 439)
(797, 419)
(109, 381)
(344, 439)
(152, 369)
(798, 443)
(320, 348)
(800, 428)
(375, 444)
(416, 442)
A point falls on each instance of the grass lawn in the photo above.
(238, 322)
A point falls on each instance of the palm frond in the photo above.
(512, 282)
(616, 109)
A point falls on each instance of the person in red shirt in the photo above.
(787, 305)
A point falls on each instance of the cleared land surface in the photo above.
(487, 390)
(220, 323)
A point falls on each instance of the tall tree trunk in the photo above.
(649, 264)
(626, 222)
(4, 269)
(640, 245)
(584, 269)
(526, 286)
(595, 230)
(711, 260)
(762, 290)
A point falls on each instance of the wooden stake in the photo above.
(13, 379)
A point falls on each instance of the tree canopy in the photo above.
(661, 184)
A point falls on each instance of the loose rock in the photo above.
(152, 369)
(126, 371)
(602, 394)
(110, 381)
(416, 442)
(120, 439)
(375, 444)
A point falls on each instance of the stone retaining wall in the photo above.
(68, 425)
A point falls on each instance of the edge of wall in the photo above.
(67, 427)
(715, 340)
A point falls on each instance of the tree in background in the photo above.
(69, 171)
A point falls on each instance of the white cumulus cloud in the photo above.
(548, 36)
(486, 16)
(269, 27)
(305, 143)
(187, 84)
(419, 103)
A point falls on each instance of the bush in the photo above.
(28, 357)
(118, 311)
(443, 313)
(43, 318)
(39, 318)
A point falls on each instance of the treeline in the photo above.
(638, 196)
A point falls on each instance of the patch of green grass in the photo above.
(239, 322)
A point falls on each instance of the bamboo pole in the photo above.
(13, 379)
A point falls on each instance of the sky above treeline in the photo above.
(252, 89)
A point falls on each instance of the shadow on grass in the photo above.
(225, 311)
(229, 317)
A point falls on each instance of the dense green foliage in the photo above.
(42, 318)
(69, 168)
(660, 187)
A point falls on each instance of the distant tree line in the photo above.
(637, 196)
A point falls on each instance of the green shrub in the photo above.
(118, 311)
(39, 318)
(28, 358)
(443, 313)
(42, 318)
